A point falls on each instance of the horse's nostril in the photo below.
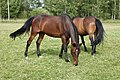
(75, 64)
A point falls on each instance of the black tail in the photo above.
(100, 32)
(23, 29)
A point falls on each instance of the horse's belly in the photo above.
(52, 33)
(82, 32)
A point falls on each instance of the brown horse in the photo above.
(90, 26)
(54, 26)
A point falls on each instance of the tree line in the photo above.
(104, 9)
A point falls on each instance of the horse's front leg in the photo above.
(62, 48)
(66, 54)
(65, 43)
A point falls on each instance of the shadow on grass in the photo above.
(89, 48)
(45, 52)
(50, 52)
(55, 52)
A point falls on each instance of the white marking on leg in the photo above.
(26, 58)
(40, 57)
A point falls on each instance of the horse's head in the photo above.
(73, 32)
(75, 50)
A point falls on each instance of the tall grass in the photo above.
(105, 65)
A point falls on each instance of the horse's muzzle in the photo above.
(75, 63)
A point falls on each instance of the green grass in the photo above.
(105, 65)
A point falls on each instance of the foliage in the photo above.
(4, 8)
(24, 9)
(103, 66)
(54, 6)
(16, 8)
(104, 9)
(35, 3)
(39, 10)
(100, 8)
(58, 7)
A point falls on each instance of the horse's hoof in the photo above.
(26, 58)
(80, 44)
(40, 57)
(60, 58)
(67, 60)
(94, 51)
(93, 54)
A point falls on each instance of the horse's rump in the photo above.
(80, 26)
(89, 24)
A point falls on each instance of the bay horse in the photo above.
(90, 26)
(53, 26)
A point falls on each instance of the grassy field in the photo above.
(105, 65)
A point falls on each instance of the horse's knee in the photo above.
(28, 43)
(65, 48)
(37, 43)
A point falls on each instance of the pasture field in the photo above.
(105, 65)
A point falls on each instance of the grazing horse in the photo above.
(54, 26)
(90, 26)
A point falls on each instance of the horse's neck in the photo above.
(72, 31)
(72, 34)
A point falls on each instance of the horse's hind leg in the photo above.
(92, 44)
(38, 42)
(28, 44)
(94, 48)
(82, 38)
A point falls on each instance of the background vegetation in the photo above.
(105, 65)
(104, 9)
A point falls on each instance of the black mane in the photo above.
(75, 29)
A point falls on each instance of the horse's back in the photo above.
(50, 25)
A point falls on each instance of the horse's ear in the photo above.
(74, 44)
